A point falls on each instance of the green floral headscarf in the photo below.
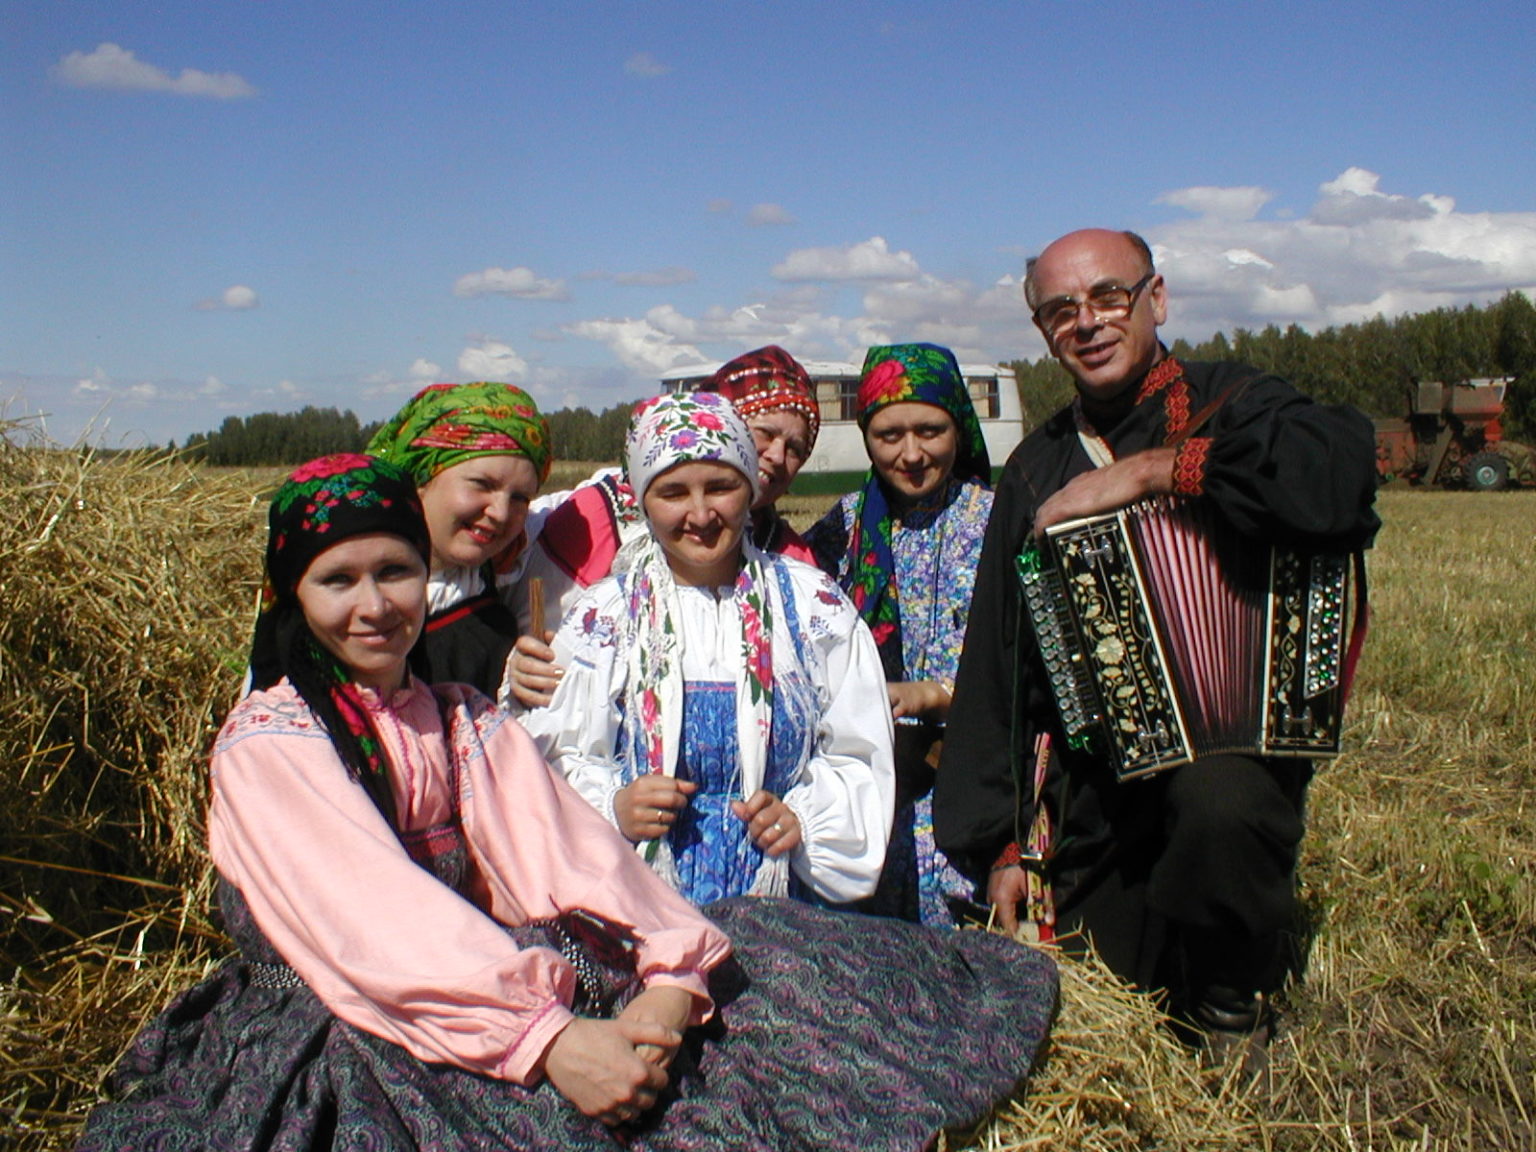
(446, 424)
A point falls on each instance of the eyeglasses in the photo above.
(1106, 302)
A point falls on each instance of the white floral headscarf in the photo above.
(685, 426)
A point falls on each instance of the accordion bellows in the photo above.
(1166, 636)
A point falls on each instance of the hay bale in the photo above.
(128, 583)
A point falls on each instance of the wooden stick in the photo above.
(536, 607)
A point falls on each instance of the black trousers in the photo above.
(1189, 879)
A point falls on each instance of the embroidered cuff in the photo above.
(1007, 858)
(606, 807)
(1189, 466)
(795, 800)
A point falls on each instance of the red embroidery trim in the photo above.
(1007, 857)
(1168, 374)
(1163, 373)
(1189, 466)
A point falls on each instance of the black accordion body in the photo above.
(1167, 637)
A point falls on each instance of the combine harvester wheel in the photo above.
(1487, 472)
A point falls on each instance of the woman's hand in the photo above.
(925, 699)
(597, 1065)
(532, 672)
(667, 1005)
(770, 822)
(648, 806)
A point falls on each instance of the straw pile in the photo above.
(128, 588)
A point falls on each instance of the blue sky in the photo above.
(211, 209)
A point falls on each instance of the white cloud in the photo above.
(235, 298)
(424, 369)
(1355, 198)
(769, 216)
(1360, 252)
(641, 345)
(978, 325)
(719, 204)
(115, 68)
(98, 383)
(1221, 203)
(212, 386)
(1236, 256)
(870, 259)
(490, 359)
(799, 319)
(520, 282)
(646, 66)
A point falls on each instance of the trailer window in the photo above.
(849, 392)
(829, 400)
(984, 397)
(838, 397)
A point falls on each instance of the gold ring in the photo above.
(778, 827)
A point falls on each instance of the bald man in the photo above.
(1184, 880)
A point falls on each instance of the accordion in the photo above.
(1166, 637)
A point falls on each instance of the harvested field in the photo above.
(129, 586)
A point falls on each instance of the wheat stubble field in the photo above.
(127, 594)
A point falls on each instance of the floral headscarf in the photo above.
(321, 504)
(446, 424)
(765, 380)
(898, 374)
(666, 431)
(682, 427)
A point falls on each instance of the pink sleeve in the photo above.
(581, 536)
(383, 944)
(578, 861)
(790, 543)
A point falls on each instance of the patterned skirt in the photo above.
(834, 1032)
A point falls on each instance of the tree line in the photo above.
(281, 438)
(1372, 365)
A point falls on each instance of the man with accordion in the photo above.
(1143, 539)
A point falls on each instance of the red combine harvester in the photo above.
(1452, 439)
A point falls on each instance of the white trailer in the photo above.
(840, 446)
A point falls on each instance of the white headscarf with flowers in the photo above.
(666, 431)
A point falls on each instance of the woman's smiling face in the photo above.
(477, 507)
(698, 513)
(365, 600)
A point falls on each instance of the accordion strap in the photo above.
(1359, 625)
(1203, 417)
